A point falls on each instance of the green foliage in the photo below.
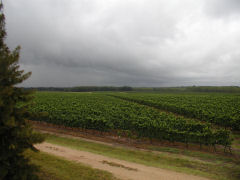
(219, 109)
(15, 134)
(105, 113)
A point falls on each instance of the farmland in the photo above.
(103, 112)
(219, 109)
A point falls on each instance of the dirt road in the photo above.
(119, 168)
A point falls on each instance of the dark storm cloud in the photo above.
(127, 42)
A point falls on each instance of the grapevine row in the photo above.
(222, 110)
(104, 113)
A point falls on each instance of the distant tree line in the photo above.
(226, 89)
(84, 88)
(170, 89)
(220, 89)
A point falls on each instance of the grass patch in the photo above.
(219, 168)
(236, 142)
(55, 168)
(208, 157)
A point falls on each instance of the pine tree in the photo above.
(16, 135)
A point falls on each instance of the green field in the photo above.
(135, 114)
(220, 109)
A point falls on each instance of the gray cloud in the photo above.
(223, 8)
(137, 43)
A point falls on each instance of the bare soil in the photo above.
(119, 168)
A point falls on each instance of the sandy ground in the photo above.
(119, 168)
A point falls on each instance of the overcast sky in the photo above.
(126, 42)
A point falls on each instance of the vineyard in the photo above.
(103, 112)
(219, 109)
